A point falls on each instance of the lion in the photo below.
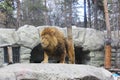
(56, 45)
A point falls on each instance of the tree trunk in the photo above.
(117, 61)
(119, 16)
(89, 14)
(6, 21)
(65, 13)
(95, 14)
(18, 14)
(85, 15)
(46, 15)
(10, 53)
(108, 41)
(69, 28)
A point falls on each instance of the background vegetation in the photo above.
(16, 13)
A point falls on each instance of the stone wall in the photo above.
(97, 58)
(28, 37)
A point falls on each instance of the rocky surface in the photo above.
(8, 36)
(28, 36)
(53, 72)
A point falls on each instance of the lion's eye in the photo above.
(44, 38)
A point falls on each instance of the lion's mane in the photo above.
(53, 36)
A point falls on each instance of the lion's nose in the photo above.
(42, 42)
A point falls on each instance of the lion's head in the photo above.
(48, 41)
(48, 38)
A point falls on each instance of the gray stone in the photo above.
(1, 56)
(94, 40)
(8, 36)
(53, 72)
(79, 36)
(96, 58)
(24, 55)
(28, 36)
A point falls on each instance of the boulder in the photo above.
(8, 36)
(94, 39)
(79, 36)
(53, 72)
(89, 39)
(1, 56)
(28, 36)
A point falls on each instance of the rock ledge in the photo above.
(53, 72)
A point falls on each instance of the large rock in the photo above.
(94, 39)
(53, 72)
(8, 36)
(28, 36)
(89, 39)
(79, 36)
(25, 55)
(1, 56)
(96, 58)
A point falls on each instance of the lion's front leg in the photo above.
(62, 57)
(45, 60)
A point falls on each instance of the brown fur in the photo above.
(56, 45)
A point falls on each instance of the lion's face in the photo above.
(48, 41)
(45, 41)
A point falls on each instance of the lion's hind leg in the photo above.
(62, 57)
(71, 53)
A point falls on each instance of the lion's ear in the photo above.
(41, 32)
(52, 31)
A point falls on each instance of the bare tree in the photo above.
(95, 14)
(85, 15)
(46, 14)
(108, 41)
(89, 14)
(32, 12)
(69, 27)
(119, 15)
(18, 14)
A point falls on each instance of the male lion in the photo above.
(56, 45)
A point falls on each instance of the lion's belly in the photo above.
(57, 52)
